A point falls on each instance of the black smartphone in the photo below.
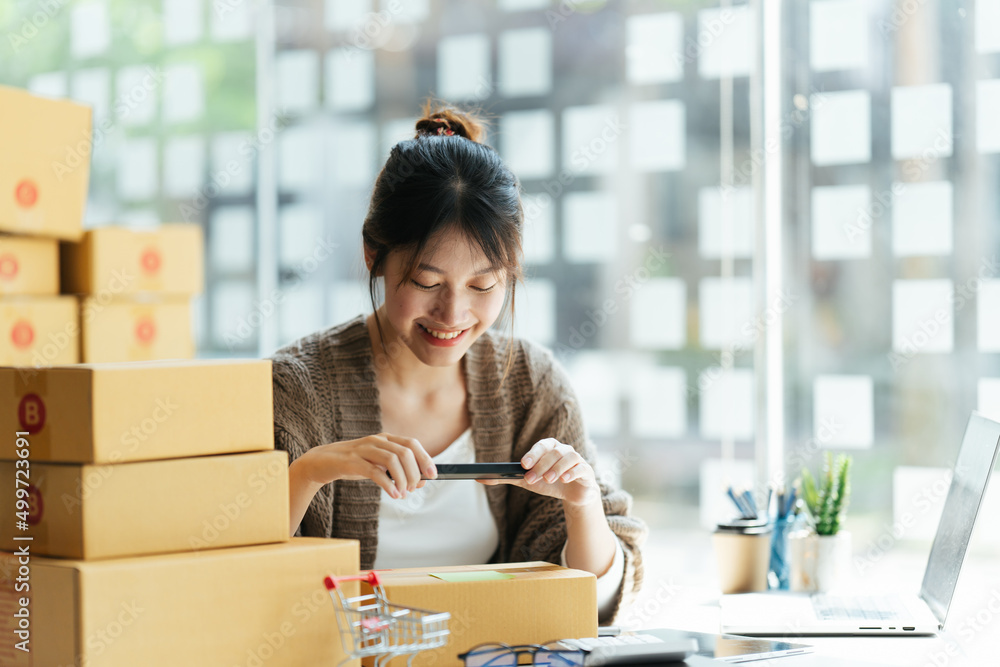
(479, 471)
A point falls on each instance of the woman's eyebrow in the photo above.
(434, 269)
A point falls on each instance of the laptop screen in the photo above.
(976, 459)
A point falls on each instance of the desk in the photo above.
(681, 591)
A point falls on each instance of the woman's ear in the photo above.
(369, 257)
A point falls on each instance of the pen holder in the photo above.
(742, 550)
(780, 569)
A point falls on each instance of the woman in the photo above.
(365, 408)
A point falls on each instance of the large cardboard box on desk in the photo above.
(28, 266)
(139, 411)
(130, 509)
(169, 259)
(135, 329)
(46, 164)
(262, 606)
(39, 331)
(513, 603)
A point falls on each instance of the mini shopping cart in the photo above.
(370, 625)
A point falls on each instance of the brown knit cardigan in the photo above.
(325, 391)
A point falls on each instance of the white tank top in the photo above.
(447, 522)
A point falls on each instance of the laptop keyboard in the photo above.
(861, 608)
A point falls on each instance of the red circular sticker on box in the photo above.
(36, 506)
(145, 330)
(26, 193)
(8, 266)
(31, 413)
(22, 335)
(151, 260)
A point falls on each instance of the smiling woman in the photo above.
(366, 408)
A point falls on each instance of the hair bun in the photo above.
(446, 120)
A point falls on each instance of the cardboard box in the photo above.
(535, 603)
(39, 331)
(262, 606)
(167, 260)
(139, 411)
(135, 329)
(45, 168)
(29, 266)
(93, 511)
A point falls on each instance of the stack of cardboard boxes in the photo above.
(145, 514)
(147, 522)
(135, 290)
(126, 294)
(44, 173)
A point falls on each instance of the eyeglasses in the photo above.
(542, 655)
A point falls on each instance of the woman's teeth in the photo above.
(440, 334)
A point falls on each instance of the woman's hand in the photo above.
(374, 457)
(556, 470)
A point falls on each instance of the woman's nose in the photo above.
(450, 309)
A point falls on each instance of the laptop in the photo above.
(768, 614)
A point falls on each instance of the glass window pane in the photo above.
(591, 138)
(182, 21)
(231, 239)
(987, 13)
(725, 307)
(922, 319)
(726, 37)
(539, 229)
(988, 310)
(987, 112)
(91, 32)
(527, 141)
(841, 127)
(535, 306)
(297, 75)
(590, 224)
(658, 314)
(346, 14)
(183, 167)
(136, 93)
(657, 401)
(838, 34)
(463, 68)
(738, 205)
(231, 21)
(657, 135)
(138, 169)
(842, 220)
(843, 410)
(350, 79)
(921, 122)
(726, 403)
(653, 48)
(922, 218)
(183, 93)
(525, 62)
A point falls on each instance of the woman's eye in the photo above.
(421, 286)
(485, 289)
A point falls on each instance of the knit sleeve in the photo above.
(295, 427)
(542, 533)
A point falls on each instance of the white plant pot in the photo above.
(818, 562)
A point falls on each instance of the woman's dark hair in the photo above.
(444, 178)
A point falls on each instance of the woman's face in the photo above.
(453, 296)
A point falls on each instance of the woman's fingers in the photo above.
(425, 463)
(556, 460)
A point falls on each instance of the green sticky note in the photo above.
(459, 577)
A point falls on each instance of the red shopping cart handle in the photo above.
(371, 577)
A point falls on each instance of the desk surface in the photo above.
(681, 591)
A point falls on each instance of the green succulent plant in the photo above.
(827, 504)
